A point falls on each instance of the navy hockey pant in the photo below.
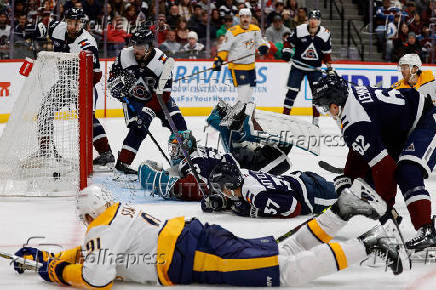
(294, 83)
(320, 193)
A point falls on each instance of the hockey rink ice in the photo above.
(54, 218)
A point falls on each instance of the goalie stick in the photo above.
(165, 76)
(25, 263)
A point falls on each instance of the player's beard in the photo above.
(245, 24)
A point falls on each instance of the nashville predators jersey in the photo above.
(120, 244)
(240, 42)
(425, 84)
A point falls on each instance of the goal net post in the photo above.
(46, 146)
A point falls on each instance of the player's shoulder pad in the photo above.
(127, 57)
(106, 217)
(85, 36)
(427, 76)
(301, 30)
(57, 30)
(236, 30)
(253, 27)
(156, 64)
(323, 33)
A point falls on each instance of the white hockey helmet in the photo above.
(93, 200)
(410, 59)
(245, 11)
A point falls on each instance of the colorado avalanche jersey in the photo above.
(376, 122)
(273, 195)
(309, 50)
(57, 32)
(204, 160)
(146, 72)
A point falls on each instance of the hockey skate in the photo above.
(356, 201)
(104, 161)
(378, 243)
(425, 240)
(122, 172)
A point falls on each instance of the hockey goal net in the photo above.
(46, 146)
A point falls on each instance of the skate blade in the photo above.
(122, 177)
(109, 167)
(426, 256)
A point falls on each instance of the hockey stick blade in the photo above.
(330, 168)
(27, 264)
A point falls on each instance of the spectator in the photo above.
(300, 18)
(274, 33)
(20, 9)
(185, 9)
(401, 38)
(287, 19)
(277, 12)
(227, 8)
(182, 31)
(193, 49)
(109, 13)
(70, 4)
(5, 31)
(205, 5)
(416, 25)
(116, 36)
(426, 44)
(170, 46)
(91, 8)
(20, 29)
(215, 20)
(118, 7)
(161, 28)
(228, 23)
(173, 17)
(130, 16)
(411, 46)
(411, 9)
(78, 5)
(219, 41)
(202, 29)
(280, 45)
(292, 6)
(195, 19)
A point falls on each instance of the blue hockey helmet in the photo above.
(189, 144)
(331, 89)
(225, 175)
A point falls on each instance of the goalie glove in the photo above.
(52, 270)
(158, 182)
(30, 253)
(342, 182)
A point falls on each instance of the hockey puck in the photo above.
(56, 175)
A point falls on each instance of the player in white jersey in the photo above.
(69, 36)
(239, 48)
(125, 243)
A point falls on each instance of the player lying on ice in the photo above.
(185, 251)
(390, 134)
(284, 196)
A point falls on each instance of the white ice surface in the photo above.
(55, 218)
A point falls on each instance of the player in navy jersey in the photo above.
(390, 134)
(312, 46)
(69, 36)
(133, 80)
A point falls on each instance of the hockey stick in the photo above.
(25, 263)
(297, 62)
(296, 228)
(165, 76)
(211, 68)
(330, 168)
(148, 132)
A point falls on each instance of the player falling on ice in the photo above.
(239, 48)
(125, 243)
(134, 80)
(389, 134)
(69, 36)
(312, 43)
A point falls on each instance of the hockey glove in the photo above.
(263, 49)
(30, 253)
(331, 71)
(218, 62)
(52, 270)
(117, 88)
(214, 202)
(342, 182)
(287, 53)
(243, 208)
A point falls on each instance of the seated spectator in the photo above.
(277, 12)
(182, 31)
(130, 15)
(170, 46)
(201, 29)
(193, 49)
(195, 19)
(274, 33)
(228, 23)
(20, 29)
(161, 28)
(185, 9)
(429, 11)
(91, 8)
(411, 46)
(118, 7)
(227, 8)
(19, 9)
(401, 38)
(116, 36)
(426, 43)
(300, 18)
(287, 19)
(292, 6)
(416, 25)
(173, 17)
(205, 5)
(70, 4)
(216, 21)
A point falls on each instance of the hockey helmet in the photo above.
(93, 200)
(75, 14)
(411, 60)
(225, 175)
(314, 14)
(142, 36)
(331, 89)
(189, 144)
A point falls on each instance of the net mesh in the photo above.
(39, 148)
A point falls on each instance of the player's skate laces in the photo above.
(425, 238)
(387, 248)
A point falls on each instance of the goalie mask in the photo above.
(93, 200)
(331, 89)
(225, 178)
(189, 144)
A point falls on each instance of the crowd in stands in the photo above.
(181, 26)
(404, 26)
